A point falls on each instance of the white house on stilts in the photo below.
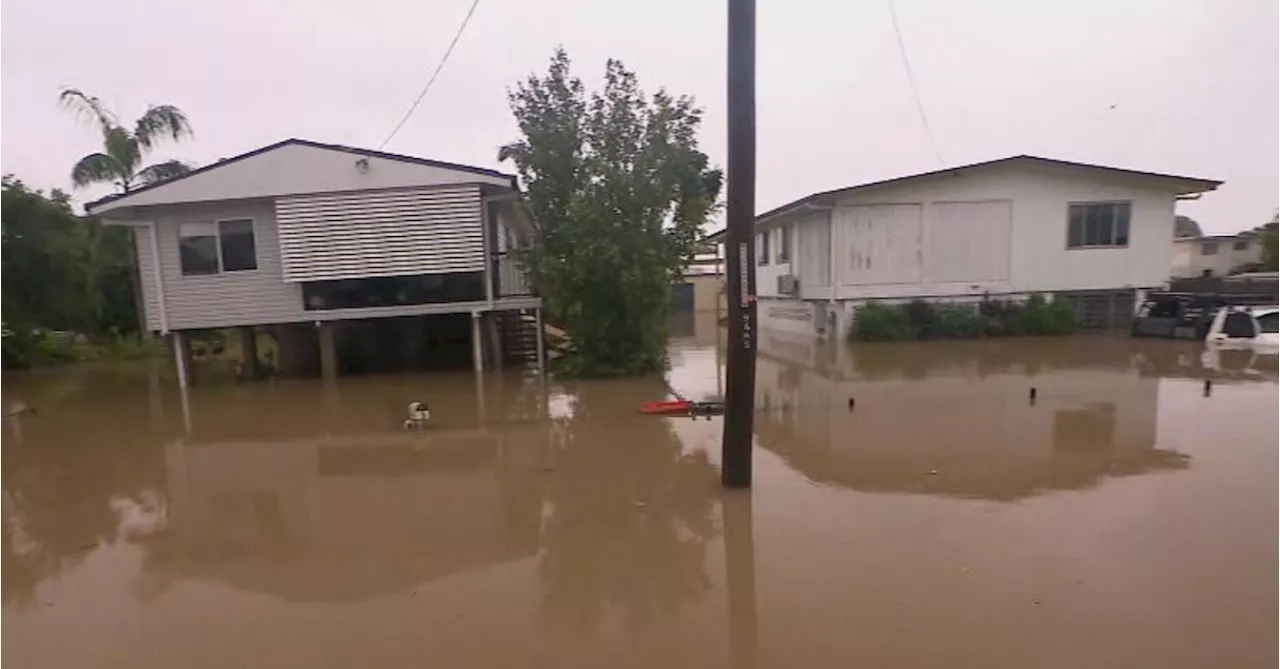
(308, 241)
(1098, 236)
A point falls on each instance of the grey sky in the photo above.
(1193, 83)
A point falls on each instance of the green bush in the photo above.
(919, 319)
(874, 321)
(1040, 317)
(1062, 317)
(958, 321)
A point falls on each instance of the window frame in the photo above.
(762, 253)
(783, 253)
(217, 235)
(1084, 246)
(1208, 248)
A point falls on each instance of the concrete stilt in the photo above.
(181, 357)
(249, 352)
(477, 351)
(542, 350)
(495, 340)
(328, 352)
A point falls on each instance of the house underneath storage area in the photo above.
(350, 259)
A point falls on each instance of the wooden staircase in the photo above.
(518, 332)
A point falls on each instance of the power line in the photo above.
(413, 107)
(911, 79)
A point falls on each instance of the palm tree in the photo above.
(119, 161)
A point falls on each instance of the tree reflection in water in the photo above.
(74, 476)
(631, 513)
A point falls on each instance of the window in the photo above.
(1239, 324)
(198, 248)
(1209, 249)
(1240, 245)
(390, 291)
(1269, 323)
(784, 244)
(238, 249)
(1098, 225)
(209, 248)
(763, 240)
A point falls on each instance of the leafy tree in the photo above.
(60, 272)
(1269, 251)
(1185, 226)
(618, 192)
(120, 161)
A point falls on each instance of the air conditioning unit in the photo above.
(788, 284)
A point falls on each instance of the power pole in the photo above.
(740, 264)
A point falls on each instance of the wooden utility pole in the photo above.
(740, 363)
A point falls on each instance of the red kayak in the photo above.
(666, 407)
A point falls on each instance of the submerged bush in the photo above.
(874, 321)
(959, 321)
(1041, 317)
(920, 319)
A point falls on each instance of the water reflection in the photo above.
(970, 430)
(631, 513)
(64, 494)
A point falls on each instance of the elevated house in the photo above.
(324, 246)
(1098, 236)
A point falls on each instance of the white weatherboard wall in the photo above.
(380, 233)
(294, 169)
(998, 230)
(219, 300)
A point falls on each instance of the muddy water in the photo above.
(1123, 519)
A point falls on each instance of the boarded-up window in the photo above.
(968, 241)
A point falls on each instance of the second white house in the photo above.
(1011, 227)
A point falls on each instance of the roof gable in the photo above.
(297, 166)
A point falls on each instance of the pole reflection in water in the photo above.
(740, 576)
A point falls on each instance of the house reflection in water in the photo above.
(350, 517)
(956, 419)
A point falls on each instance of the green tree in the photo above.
(1269, 250)
(120, 161)
(618, 192)
(60, 272)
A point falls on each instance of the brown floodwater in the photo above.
(1122, 519)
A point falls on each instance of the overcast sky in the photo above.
(1187, 87)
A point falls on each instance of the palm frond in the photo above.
(159, 122)
(161, 171)
(98, 168)
(123, 147)
(83, 105)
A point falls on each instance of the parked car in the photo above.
(1245, 327)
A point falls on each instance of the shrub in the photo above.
(921, 318)
(958, 321)
(874, 321)
(1062, 317)
(1040, 317)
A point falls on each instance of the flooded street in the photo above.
(1121, 519)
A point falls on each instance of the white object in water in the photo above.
(1245, 327)
(419, 414)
